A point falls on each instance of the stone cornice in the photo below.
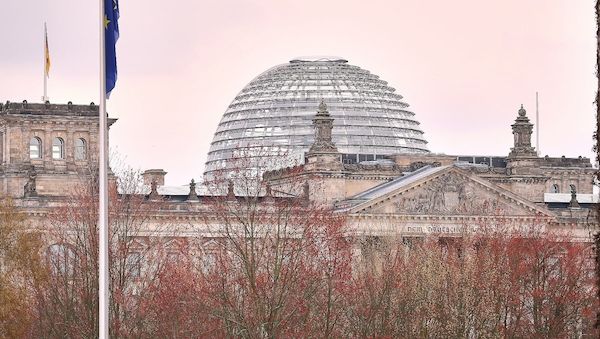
(36, 120)
(434, 217)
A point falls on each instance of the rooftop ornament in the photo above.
(322, 108)
(192, 196)
(323, 125)
(522, 111)
(573, 203)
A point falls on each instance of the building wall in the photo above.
(20, 122)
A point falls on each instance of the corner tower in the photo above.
(46, 148)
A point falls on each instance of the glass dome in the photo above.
(273, 115)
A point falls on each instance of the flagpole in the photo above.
(45, 97)
(537, 125)
(104, 286)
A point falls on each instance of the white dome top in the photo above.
(275, 111)
(318, 58)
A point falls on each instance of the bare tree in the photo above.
(482, 284)
(67, 302)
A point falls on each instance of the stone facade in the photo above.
(55, 144)
(407, 195)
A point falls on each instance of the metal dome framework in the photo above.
(274, 113)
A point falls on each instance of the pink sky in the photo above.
(464, 66)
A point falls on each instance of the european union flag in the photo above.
(111, 35)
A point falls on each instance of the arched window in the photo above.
(555, 189)
(35, 148)
(58, 148)
(133, 264)
(61, 259)
(80, 149)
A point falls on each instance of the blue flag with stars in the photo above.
(111, 35)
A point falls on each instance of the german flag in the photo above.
(46, 53)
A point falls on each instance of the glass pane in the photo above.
(35, 148)
(34, 152)
(278, 106)
(57, 148)
(80, 149)
(56, 154)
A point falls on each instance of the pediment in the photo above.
(450, 191)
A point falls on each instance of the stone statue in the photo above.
(29, 190)
(573, 203)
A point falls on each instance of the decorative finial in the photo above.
(323, 125)
(192, 195)
(522, 111)
(322, 107)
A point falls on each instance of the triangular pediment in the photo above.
(444, 191)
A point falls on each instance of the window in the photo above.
(58, 148)
(573, 188)
(133, 264)
(208, 262)
(80, 149)
(35, 148)
(555, 189)
(61, 259)
(365, 157)
(349, 158)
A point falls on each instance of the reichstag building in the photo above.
(346, 135)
